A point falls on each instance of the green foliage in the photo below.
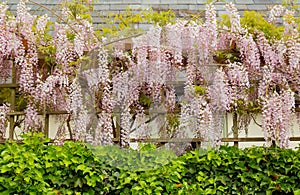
(200, 90)
(134, 160)
(5, 97)
(255, 170)
(79, 9)
(173, 122)
(145, 100)
(37, 167)
(255, 21)
(291, 4)
(248, 107)
(124, 23)
(223, 56)
(159, 18)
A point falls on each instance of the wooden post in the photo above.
(118, 127)
(235, 129)
(12, 104)
(46, 125)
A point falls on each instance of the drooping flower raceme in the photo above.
(125, 126)
(41, 25)
(290, 26)
(219, 92)
(293, 53)
(25, 20)
(97, 79)
(174, 41)
(267, 52)
(76, 106)
(249, 53)
(277, 116)
(234, 18)
(4, 109)
(64, 48)
(5, 37)
(238, 81)
(275, 12)
(211, 26)
(32, 123)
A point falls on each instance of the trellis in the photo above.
(117, 138)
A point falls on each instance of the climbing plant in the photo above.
(240, 65)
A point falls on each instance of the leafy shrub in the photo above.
(37, 167)
(133, 160)
(255, 21)
(229, 170)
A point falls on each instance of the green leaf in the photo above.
(48, 164)
(78, 183)
(27, 179)
(209, 156)
(137, 188)
(268, 192)
(127, 180)
(143, 184)
(5, 169)
(148, 191)
(18, 170)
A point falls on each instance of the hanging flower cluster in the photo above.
(147, 76)
(4, 109)
(53, 72)
(219, 91)
(104, 129)
(277, 114)
(276, 11)
(239, 82)
(26, 43)
(234, 18)
(249, 53)
(6, 42)
(32, 123)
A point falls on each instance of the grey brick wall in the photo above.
(104, 7)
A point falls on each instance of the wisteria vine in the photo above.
(105, 88)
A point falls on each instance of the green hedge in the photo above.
(36, 167)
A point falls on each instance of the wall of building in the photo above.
(181, 7)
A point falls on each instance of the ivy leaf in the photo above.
(78, 183)
(297, 192)
(5, 169)
(27, 179)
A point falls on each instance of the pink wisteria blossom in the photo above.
(32, 122)
(277, 115)
(4, 109)
(103, 89)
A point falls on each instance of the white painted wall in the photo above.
(253, 131)
(256, 131)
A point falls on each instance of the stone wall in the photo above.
(184, 5)
(181, 7)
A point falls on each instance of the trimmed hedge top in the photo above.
(39, 168)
